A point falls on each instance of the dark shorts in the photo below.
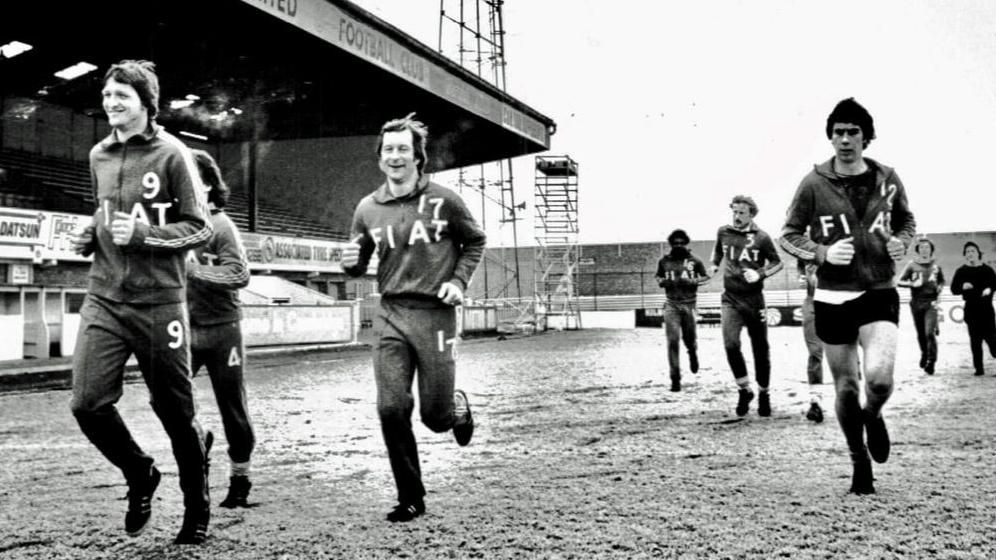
(839, 324)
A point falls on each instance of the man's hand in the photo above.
(967, 286)
(841, 252)
(751, 275)
(896, 248)
(351, 252)
(986, 292)
(122, 228)
(80, 240)
(450, 293)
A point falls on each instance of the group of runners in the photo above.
(168, 263)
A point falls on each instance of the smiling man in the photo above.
(150, 212)
(428, 246)
(860, 225)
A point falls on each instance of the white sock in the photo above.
(240, 469)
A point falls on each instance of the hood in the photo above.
(383, 192)
(825, 169)
(146, 136)
(752, 228)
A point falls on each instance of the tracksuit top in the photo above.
(743, 249)
(681, 278)
(981, 277)
(422, 240)
(933, 280)
(213, 281)
(821, 203)
(151, 176)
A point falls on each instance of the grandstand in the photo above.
(59, 184)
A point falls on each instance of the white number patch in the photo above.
(233, 357)
(150, 182)
(175, 330)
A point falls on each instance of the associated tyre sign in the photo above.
(274, 252)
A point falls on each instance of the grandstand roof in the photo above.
(279, 69)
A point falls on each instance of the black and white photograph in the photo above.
(497, 279)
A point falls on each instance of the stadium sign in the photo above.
(274, 252)
(37, 235)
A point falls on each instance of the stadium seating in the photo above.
(63, 185)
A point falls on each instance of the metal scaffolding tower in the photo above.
(558, 251)
(471, 33)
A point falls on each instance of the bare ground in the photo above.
(581, 452)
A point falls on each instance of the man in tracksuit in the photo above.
(428, 246)
(925, 279)
(860, 226)
(975, 282)
(150, 212)
(750, 257)
(680, 273)
(215, 272)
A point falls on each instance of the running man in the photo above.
(925, 279)
(428, 246)
(860, 225)
(150, 212)
(215, 272)
(750, 257)
(680, 273)
(975, 282)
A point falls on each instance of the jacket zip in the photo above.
(124, 156)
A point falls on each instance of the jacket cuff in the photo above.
(139, 235)
(820, 254)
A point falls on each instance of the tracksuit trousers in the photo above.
(110, 332)
(413, 335)
(219, 348)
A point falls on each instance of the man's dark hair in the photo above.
(971, 244)
(741, 199)
(420, 136)
(141, 75)
(211, 177)
(678, 236)
(850, 111)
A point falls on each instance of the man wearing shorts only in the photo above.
(860, 226)
(750, 257)
(150, 213)
(215, 272)
(428, 246)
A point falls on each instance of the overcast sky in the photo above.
(671, 108)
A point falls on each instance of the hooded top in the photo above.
(219, 270)
(743, 249)
(151, 176)
(422, 239)
(823, 204)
